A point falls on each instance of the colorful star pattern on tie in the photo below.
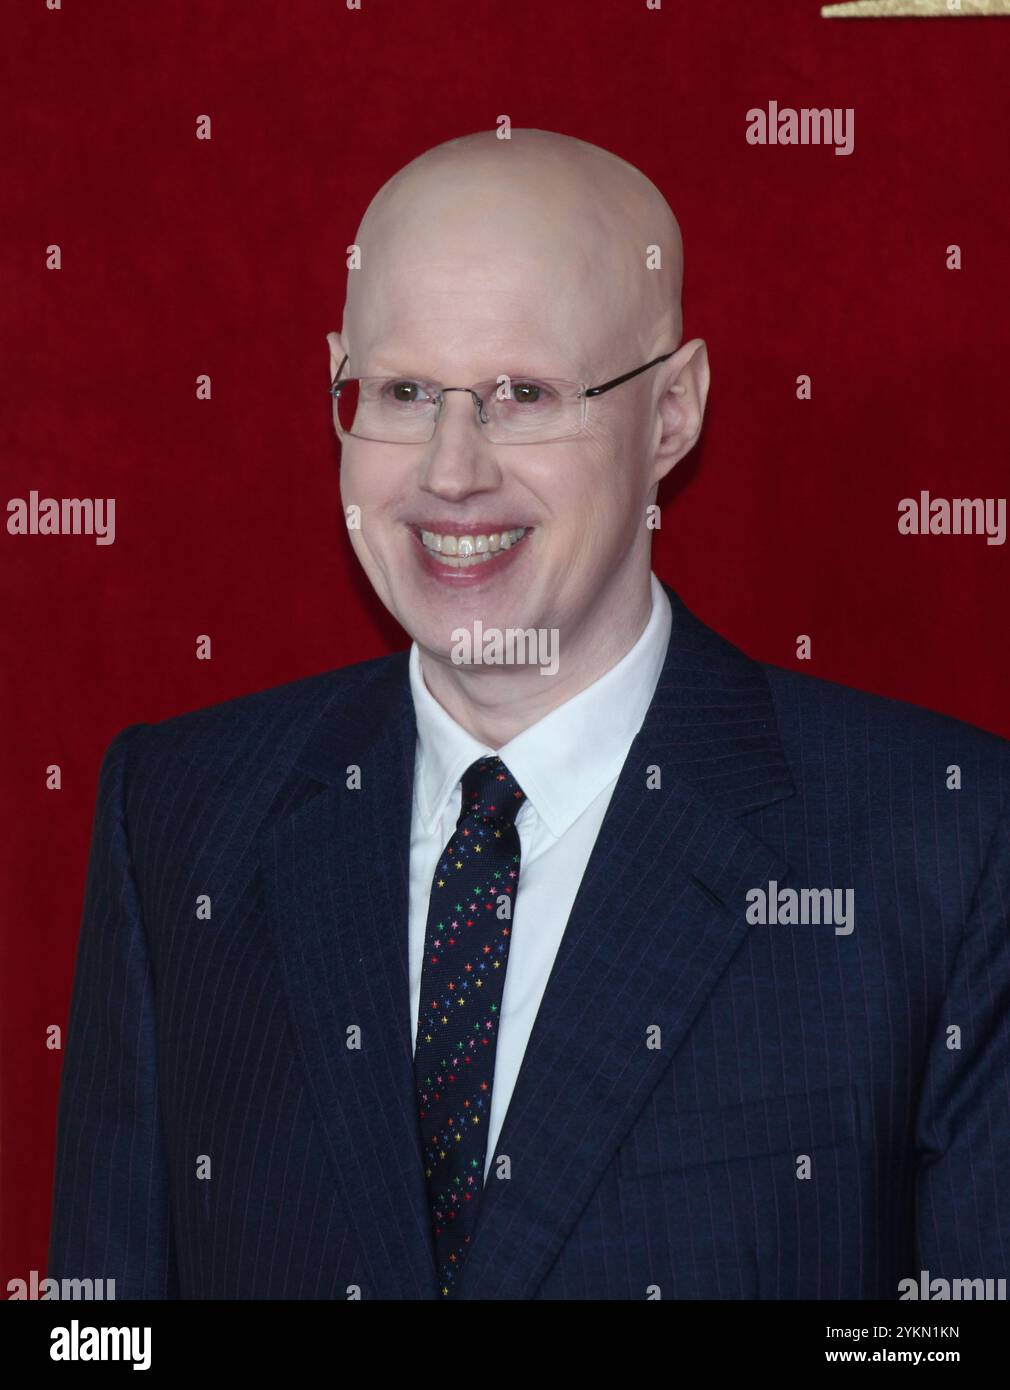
(466, 947)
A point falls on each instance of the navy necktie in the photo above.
(466, 947)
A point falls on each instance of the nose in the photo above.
(458, 460)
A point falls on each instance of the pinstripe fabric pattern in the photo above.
(261, 1039)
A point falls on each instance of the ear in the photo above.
(681, 405)
(338, 351)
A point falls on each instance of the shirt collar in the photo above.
(563, 761)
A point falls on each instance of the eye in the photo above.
(529, 393)
(405, 392)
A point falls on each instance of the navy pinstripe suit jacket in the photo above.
(708, 1107)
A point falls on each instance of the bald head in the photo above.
(467, 238)
(540, 262)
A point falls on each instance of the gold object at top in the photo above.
(914, 9)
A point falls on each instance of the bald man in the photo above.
(569, 953)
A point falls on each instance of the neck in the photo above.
(495, 703)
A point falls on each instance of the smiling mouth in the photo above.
(463, 552)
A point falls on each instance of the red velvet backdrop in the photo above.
(182, 257)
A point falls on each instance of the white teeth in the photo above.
(463, 551)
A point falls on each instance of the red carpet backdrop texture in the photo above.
(182, 183)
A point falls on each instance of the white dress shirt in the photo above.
(568, 764)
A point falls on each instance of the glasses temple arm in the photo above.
(339, 370)
(619, 380)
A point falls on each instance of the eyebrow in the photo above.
(517, 374)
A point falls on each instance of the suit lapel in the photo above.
(335, 865)
(657, 919)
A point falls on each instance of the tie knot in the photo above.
(490, 792)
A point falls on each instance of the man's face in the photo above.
(469, 314)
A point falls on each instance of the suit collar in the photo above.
(712, 716)
(714, 719)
